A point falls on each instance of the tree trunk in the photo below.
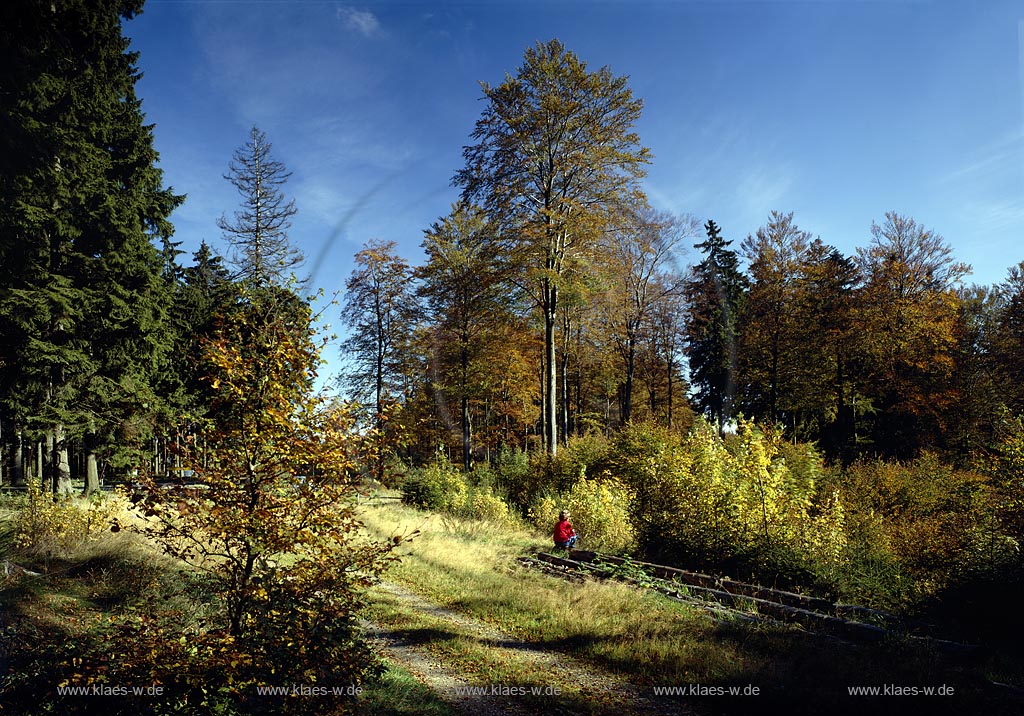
(543, 400)
(466, 436)
(92, 474)
(578, 400)
(565, 396)
(61, 466)
(627, 398)
(563, 367)
(551, 376)
(464, 416)
(773, 394)
(379, 397)
(670, 364)
(18, 466)
(46, 462)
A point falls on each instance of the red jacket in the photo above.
(563, 531)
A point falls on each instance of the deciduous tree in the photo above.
(908, 312)
(829, 392)
(639, 274)
(771, 335)
(555, 156)
(381, 309)
(461, 286)
(1008, 348)
(270, 515)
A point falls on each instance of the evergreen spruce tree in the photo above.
(715, 293)
(258, 235)
(81, 201)
(203, 293)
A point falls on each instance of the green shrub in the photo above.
(482, 504)
(443, 488)
(526, 478)
(935, 524)
(681, 506)
(581, 455)
(515, 476)
(438, 486)
(748, 506)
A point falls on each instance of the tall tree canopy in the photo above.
(638, 276)
(555, 157)
(462, 291)
(771, 346)
(908, 315)
(81, 202)
(380, 308)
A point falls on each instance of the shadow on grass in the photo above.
(38, 652)
(63, 622)
(793, 671)
(418, 637)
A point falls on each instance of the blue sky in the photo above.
(835, 110)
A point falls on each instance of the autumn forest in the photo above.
(766, 406)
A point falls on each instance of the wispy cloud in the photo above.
(362, 21)
(995, 159)
(762, 188)
(987, 185)
(995, 214)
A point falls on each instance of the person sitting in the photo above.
(565, 536)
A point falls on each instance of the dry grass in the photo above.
(472, 568)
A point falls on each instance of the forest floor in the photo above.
(459, 611)
(435, 643)
(463, 627)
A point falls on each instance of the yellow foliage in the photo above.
(599, 513)
(51, 522)
(485, 505)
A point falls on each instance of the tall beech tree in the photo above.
(715, 293)
(638, 275)
(381, 309)
(771, 340)
(554, 157)
(668, 332)
(81, 201)
(829, 388)
(461, 286)
(984, 390)
(908, 314)
(1008, 338)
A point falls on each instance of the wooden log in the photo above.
(793, 599)
(783, 612)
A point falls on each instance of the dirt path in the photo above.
(598, 692)
(431, 673)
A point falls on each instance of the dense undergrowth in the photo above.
(87, 604)
(915, 537)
